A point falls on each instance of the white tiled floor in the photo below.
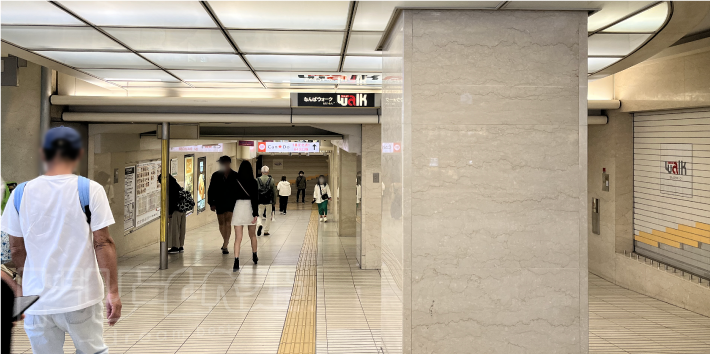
(199, 306)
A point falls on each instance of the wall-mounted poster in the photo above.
(129, 198)
(201, 184)
(174, 167)
(190, 176)
(147, 192)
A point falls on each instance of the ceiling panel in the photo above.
(199, 84)
(49, 37)
(294, 62)
(362, 64)
(108, 60)
(648, 21)
(215, 76)
(374, 15)
(151, 84)
(303, 15)
(142, 13)
(292, 42)
(615, 44)
(35, 13)
(364, 43)
(612, 11)
(198, 61)
(172, 40)
(131, 75)
(596, 64)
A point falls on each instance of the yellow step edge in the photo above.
(700, 225)
(645, 240)
(676, 238)
(659, 239)
(692, 233)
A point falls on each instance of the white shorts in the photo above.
(242, 214)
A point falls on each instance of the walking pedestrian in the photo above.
(321, 196)
(221, 196)
(60, 243)
(301, 187)
(178, 219)
(284, 188)
(267, 200)
(246, 210)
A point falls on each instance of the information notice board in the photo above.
(147, 192)
(129, 199)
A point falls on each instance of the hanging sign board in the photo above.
(246, 142)
(129, 198)
(198, 148)
(274, 146)
(336, 99)
(147, 192)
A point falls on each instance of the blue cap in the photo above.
(67, 134)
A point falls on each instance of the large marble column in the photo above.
(371, 204)
(484, 226)
(347, 201)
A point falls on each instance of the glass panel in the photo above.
(142, 13)
(612, 11)
(648, 21)
(596, 64)
(364, 43)
(294, 62)
(226, 85)
(374, 15)
(58, 38)
(615, 44)
(175, 40)
(328, 15)
(131, 75)
(151, 84)
(215, 76)
(110, 60)
(362, 63)
(35, 13)
(197, 61)
(295, 42)
(273, 85)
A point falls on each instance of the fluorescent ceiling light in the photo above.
(109, 60)
(35, 13)
(596, 64)
(612, 11)
(142, 13)
(374, 15)
(215, 76)
(314, 15)
(617, 44)
(294, 62)
(50, 37)
(197, 61)
(288, 42)
(648, 21)
(362, 64)
(131, 75)
(172, 40)
(364, 43)
(199, 84)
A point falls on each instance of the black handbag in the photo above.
(322, 196)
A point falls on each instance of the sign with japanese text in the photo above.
(198, 148)
(275, 146)
(336, 99)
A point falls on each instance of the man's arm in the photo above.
(18, 253)
(105, 251)
(211, 197)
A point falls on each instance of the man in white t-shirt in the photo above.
(61, 252)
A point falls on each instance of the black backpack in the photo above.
(266, 191)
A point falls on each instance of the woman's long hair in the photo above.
(245, 172)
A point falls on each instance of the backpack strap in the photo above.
(17, 200)
(84, 193)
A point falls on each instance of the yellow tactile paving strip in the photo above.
(299, 332)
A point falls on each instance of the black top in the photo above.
(222, 192)
(250, 192)
(174, 189)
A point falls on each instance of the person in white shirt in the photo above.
(284, 188)
(321, 196)
(62, 251)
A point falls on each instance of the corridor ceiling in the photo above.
(266, 44)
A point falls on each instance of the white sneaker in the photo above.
(325, 219)
(320, 219)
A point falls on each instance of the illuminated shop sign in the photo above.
(344, 79)
(275, 146)
(198, 148)
(336, 99)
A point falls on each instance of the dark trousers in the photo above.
(302, 193)
(283, 202)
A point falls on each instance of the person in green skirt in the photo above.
(321, 196)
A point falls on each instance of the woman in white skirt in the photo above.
(246, 210)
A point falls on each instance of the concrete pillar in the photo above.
(20, 126)
(371, 203)
(484, 223)
(334, 160)
(347, 203)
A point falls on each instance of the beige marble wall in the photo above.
(347, 203)
(492, 122)
(371, 204)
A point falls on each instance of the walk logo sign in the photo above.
(346, 100)
(275, 146)
(676, 162)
